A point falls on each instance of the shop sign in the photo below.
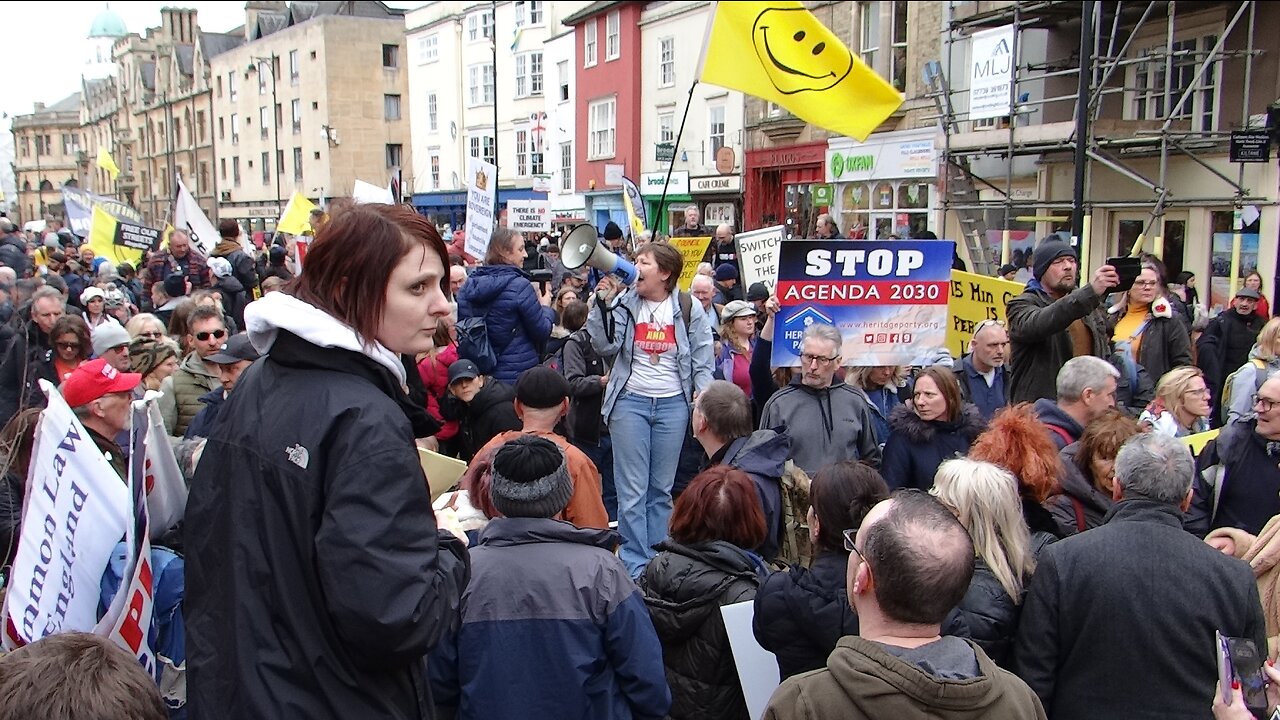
(824, 195)
(651, 184)
(664, 152)
(914, 158)
(1250, 146)
(991, 73)
(715, 184)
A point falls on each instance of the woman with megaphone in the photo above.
(661, 342)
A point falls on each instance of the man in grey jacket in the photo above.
(828, 421)
(1041, 317)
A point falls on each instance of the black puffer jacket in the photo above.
(316, 579)
(1079, 499)
(802, 613)
(987, 615)
(489, 413)
(684, 587)
(917, 447)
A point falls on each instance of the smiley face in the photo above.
(797, 52)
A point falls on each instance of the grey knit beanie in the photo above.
(530, 478)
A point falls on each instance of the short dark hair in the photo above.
(668, 260)
(727, 410)
(574, 316)
(204, 312)
(78, 672)
(921, 558)
(351, 258)
(720, 504)
(228, 229)
(841, 496)
(1103, 438)
(946, 382)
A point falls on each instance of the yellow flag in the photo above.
(778, 51)
(637, 227)
(102, 238)
(106, 162)
(297, 215)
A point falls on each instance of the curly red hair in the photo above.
(1017, 441)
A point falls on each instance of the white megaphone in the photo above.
(581, 247)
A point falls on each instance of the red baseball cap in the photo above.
(93, 379)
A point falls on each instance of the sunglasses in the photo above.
(69, 346)
(216, 335)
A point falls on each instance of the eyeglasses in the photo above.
(216, 335)
(69, 346)
(807, 359)
(986, 324)
(850, 538)
(1145, 283)
(1199, 392)
(1265, 404)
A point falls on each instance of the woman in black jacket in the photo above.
(701, 566)
(801, 613)
(985, 499)
(588, 375)
(1089, 473)
(934, 426)
(317, 581)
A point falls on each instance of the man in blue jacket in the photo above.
(552, 625)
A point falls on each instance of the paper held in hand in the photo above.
(442, 471)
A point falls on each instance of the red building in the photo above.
(607, 76)
(778, 183)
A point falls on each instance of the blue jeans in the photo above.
(602, 455)
(647, 435)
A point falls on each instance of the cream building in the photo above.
(47, 156)
(310, 103)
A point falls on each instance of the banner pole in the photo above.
(662, 202)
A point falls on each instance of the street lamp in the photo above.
(271, 60)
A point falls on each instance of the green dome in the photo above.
(108, 24)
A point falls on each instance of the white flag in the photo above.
(365, 192)
(166, 489)
(188, 216)
(77, 510)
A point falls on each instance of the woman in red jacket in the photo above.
(434, 371)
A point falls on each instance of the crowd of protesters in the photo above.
(1021, 532)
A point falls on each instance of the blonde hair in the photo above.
(857, 376)
(1268, 338)
(985, 499)
(727, 332)
(1174, 384)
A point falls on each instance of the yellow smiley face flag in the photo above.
(778, 51)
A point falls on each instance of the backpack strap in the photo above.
(686, 308)
(1081, 526)
(1066, 437)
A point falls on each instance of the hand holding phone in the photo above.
(1128, 268)
(1239, 660)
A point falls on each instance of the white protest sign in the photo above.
(482, 184)
(990, 73)
(758, 256)
(532, 215)
(166, 489)
(189, 216)
(77, 510)
(134, 600)
(366, 192)
(757, 667)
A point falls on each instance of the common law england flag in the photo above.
(778, 51)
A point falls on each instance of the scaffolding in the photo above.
(1098, 62)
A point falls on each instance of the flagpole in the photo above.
(657, 217)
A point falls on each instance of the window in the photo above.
(566, 167)
(262, 79)
(1148, 80)
(522, 153)
(235, 171)
(562, 70)
(263, 120)
(69, 144)
(279, 116)
(222, 169)
(293, 67)
(589, 43)
(480, 25)
(26, 146)
(666, 62)
(391, 56)
(297, 164)
(219, 87)
(395, 155)
(200, 125)
(481, 146)
(391, 107)
(295, 109)
(601, 116)
(870, 13)
(898, 44)
(666, 127)
(528, 74)
(231, 86)
(528, 13)
(433, 116)
(204, 175)
(715, 114)
(266, 168)
(613, 36)
(480, 84)
(235, 128)
(428, 49)
(536, 164)
(279, 162)
(435, 172)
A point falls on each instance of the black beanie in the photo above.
(612, 231)
(530, 478)
(1047, 253)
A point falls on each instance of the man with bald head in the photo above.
(723, 248)
(910, 563)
